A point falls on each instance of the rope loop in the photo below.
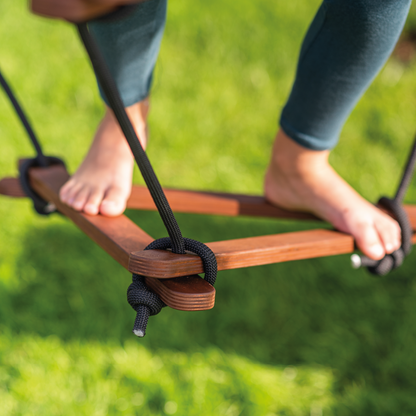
(207, 256)
(41, 206)
(394, 260)
(145, 302)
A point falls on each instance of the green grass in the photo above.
(302, 338)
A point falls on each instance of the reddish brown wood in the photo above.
(118, 236)
(245, 252)
(125, 241)
(189, 293)
(11, 187)
(213, 203)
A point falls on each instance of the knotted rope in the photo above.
(39, 204)
(394, 207)
(140, 298)
(145, 302)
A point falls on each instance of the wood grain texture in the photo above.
(11, 187)
(188, 293)
(245, 252)
(118, 236)
(213, 203)
(228, 204)
(122, 239)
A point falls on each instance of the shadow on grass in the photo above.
(306, 312)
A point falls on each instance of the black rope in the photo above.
(143, 300)
(394, 206)
(41, 158)
(113, 97)
(147, 303)
(39, 204)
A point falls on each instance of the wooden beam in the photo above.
(11, 187)
(214, 203)
(122, 239)
(118, 236)
(245, 252)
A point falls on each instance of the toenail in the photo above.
(389, 247)
(376, 250)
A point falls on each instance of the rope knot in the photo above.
(147, 303)
(144, 302)
(390, 261)
(41, 206)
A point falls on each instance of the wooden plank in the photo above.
(122, 239)
(213, 203)
(245, 252)
(189, 293)
(11, 187)
(118, 236)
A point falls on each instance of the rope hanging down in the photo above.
(40, 205)
(394, 206)
(146, 303)
(139, 296)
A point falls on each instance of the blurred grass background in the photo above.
(302, 338)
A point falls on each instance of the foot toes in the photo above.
(92, 205)
(79, 200)
(390, 234)
(69, 192)
(369, 243)
(114, 202)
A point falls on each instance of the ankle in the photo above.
(289, 158)
(137, 114)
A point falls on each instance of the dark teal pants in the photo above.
(346, 45)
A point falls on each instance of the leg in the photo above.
(102, 183)
(347, 43)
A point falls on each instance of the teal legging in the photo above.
(344, 48)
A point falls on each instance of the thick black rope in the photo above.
(142, 300)
(42, 160)
(113, 97)
(394, 206)
(147, 303)
(39, 204)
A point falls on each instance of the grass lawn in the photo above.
(306, 338)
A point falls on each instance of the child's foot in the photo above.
(102, 183)
(302, 180)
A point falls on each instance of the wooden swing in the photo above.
(173, 277)
(125, 241)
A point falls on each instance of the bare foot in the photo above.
(302, 180)
(102, 183)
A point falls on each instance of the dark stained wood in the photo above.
(245, 252)
(217, 203)
(188, 293)
(213, 203)
(11, 187)
(118, 236)
(122, 239)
